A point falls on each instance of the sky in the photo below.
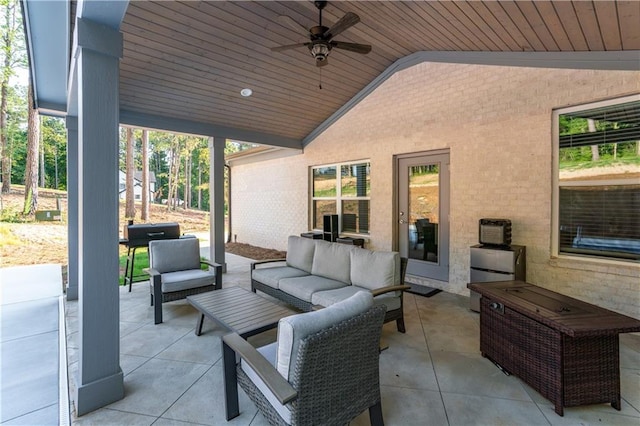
(20, 76)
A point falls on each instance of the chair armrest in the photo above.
(260, 262)
(218, 272)
(383, 290)
(214, 265)
(267, 372)
(151, 271)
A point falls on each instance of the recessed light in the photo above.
(246, 92)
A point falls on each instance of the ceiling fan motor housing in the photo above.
(321, 38)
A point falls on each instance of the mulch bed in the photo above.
(253, 252)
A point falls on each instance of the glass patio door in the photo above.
(423, 213)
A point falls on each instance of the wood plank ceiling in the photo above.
(189, 60)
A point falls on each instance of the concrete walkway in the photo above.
(30, 341)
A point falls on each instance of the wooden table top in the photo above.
(563, 313)
(240, 310)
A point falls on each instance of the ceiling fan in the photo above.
(321, 37)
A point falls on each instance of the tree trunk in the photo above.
(173, 180)
(42, 174)
(595, 155)
(6, 72)
(55, 157)
(6, 153)
(129, 208)
(187, 181)
(176, 179)
(199, 186)
(31, 171)
(144, 214)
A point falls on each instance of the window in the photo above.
(342, 189)
(598, 180)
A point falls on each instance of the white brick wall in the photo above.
(496, 121)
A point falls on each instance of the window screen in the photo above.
(599, 181)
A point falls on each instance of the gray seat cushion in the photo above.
(332, 260)
(300, 252)
(330, 297)
(272, 276)
(375, 269)
(174, 255)
(183, 280)
(304, 287)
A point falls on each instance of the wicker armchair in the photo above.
(332, 374)
(175, 273)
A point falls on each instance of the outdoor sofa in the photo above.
(318, 273)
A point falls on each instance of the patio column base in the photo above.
(99, 393)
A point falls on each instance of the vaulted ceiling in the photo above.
(189, 60)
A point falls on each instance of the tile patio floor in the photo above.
(432, 375)
(30, 312)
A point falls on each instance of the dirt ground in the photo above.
(31, 242)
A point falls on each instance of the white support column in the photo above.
(98, 49)
(216, 200)
(72, 207)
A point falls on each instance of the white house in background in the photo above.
(137, 185)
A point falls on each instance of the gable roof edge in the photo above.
(628, 60)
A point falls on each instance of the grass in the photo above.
(603, 162)
(7, 238)
(141, 262)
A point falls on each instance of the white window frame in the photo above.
(338, 198)
(555, 205)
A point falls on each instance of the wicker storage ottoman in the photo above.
(565, 349)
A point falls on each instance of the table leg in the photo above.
(232, 406)
(199, 325)
(616, 404)
(126, 268)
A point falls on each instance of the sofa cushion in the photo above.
(269, 352)
(183, 280)
(304, 287)
(271, 276)
(332, 260)
(329, 297)
(174, 255)
(293, 329)
(375, 269)
(300, 253)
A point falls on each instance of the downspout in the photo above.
(228, 167)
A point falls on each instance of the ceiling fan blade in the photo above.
(322, 63)
(288, 46)
(348, 20)
(352, 47)
(288, 21)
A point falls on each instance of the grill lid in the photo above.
(145, 232)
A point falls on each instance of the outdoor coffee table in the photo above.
(239, 310)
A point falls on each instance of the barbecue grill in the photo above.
(139, 235)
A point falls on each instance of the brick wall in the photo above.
(496, 122)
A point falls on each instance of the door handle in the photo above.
(402, 221)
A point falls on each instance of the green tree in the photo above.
(54, 141)
(16, 132)
(12, 54)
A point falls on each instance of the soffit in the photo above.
(188, 60)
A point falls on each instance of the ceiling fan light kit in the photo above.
(320, 51)
(321, 37)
